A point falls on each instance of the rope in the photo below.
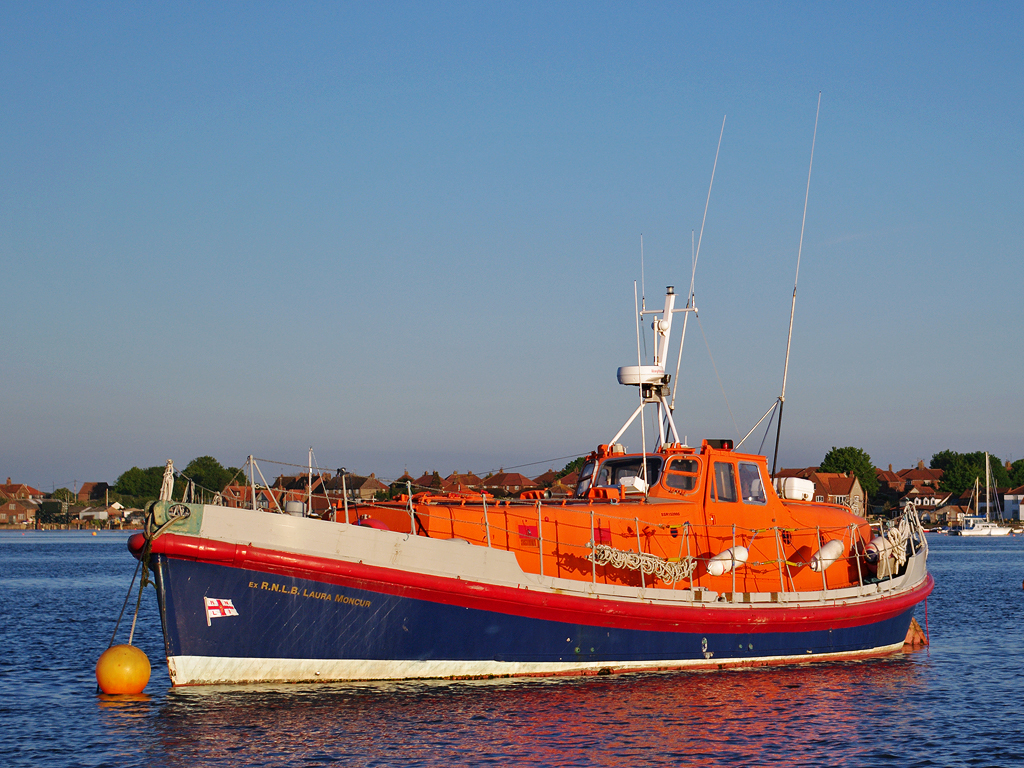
(898, 536)
(645, 563)
(143, 560)
(124, 605)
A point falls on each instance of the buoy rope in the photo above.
(124, 605)
(150, 536)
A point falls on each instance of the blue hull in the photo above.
(294, 618)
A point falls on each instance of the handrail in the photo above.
(581, 527)
(543, 546)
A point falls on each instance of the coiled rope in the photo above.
(668, 572)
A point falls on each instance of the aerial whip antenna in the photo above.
(792, 310)
(693, 272)
(643, 288)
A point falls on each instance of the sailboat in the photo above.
(983, 525)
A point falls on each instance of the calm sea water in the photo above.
(956, 703)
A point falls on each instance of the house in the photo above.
(427, 481)
(925, 497)
(547, 478)
(11, 490)
(508, 482)
(839, 488)
(18, 512)
(467, 481)
(832, 487)
(949, 514)
(1012, 502)
(889, 481)
(240, 497)
(93, 492)
(804, 473)
(920, 477)
(92, 513)
(299, 489)
(361, 488)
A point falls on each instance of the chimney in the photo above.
(920, 463)
(890, 467)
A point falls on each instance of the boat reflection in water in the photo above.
(796, 715)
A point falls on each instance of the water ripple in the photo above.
(949, 705)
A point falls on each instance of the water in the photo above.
(953, 704)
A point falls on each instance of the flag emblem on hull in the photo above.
(217, 608)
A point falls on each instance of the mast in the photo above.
(988, 503)
(792, 311)
(652, 379)
(694, 255)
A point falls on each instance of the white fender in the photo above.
(724, 562)
(877, 549)
(828, 554)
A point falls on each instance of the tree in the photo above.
(140, 483)
(573, 466)
(1017, 473)
(63, 494)
(960, 470)
(208, 473)
(856, 462)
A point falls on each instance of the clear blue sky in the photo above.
(406, 234)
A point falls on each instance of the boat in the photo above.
(672, 557)
(978, 524)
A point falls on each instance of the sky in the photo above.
(407, 234)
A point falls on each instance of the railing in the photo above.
(580, 540)
(575, 540)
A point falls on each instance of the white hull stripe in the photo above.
(212, 670)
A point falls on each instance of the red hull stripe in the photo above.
(540, 604)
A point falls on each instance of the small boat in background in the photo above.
(984, 525)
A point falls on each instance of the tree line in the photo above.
(959, 470)
(137, 486)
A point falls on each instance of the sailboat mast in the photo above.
(988, 503)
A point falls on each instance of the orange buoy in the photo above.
(122, 669)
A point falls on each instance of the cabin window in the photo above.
(725, 482)
(751, 487)
(682, 474)
(583, 484)
(614, 471)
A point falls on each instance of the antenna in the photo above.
(643, 289)
(639, 362)
(792, 310)
(643, 295)
(693, 272)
